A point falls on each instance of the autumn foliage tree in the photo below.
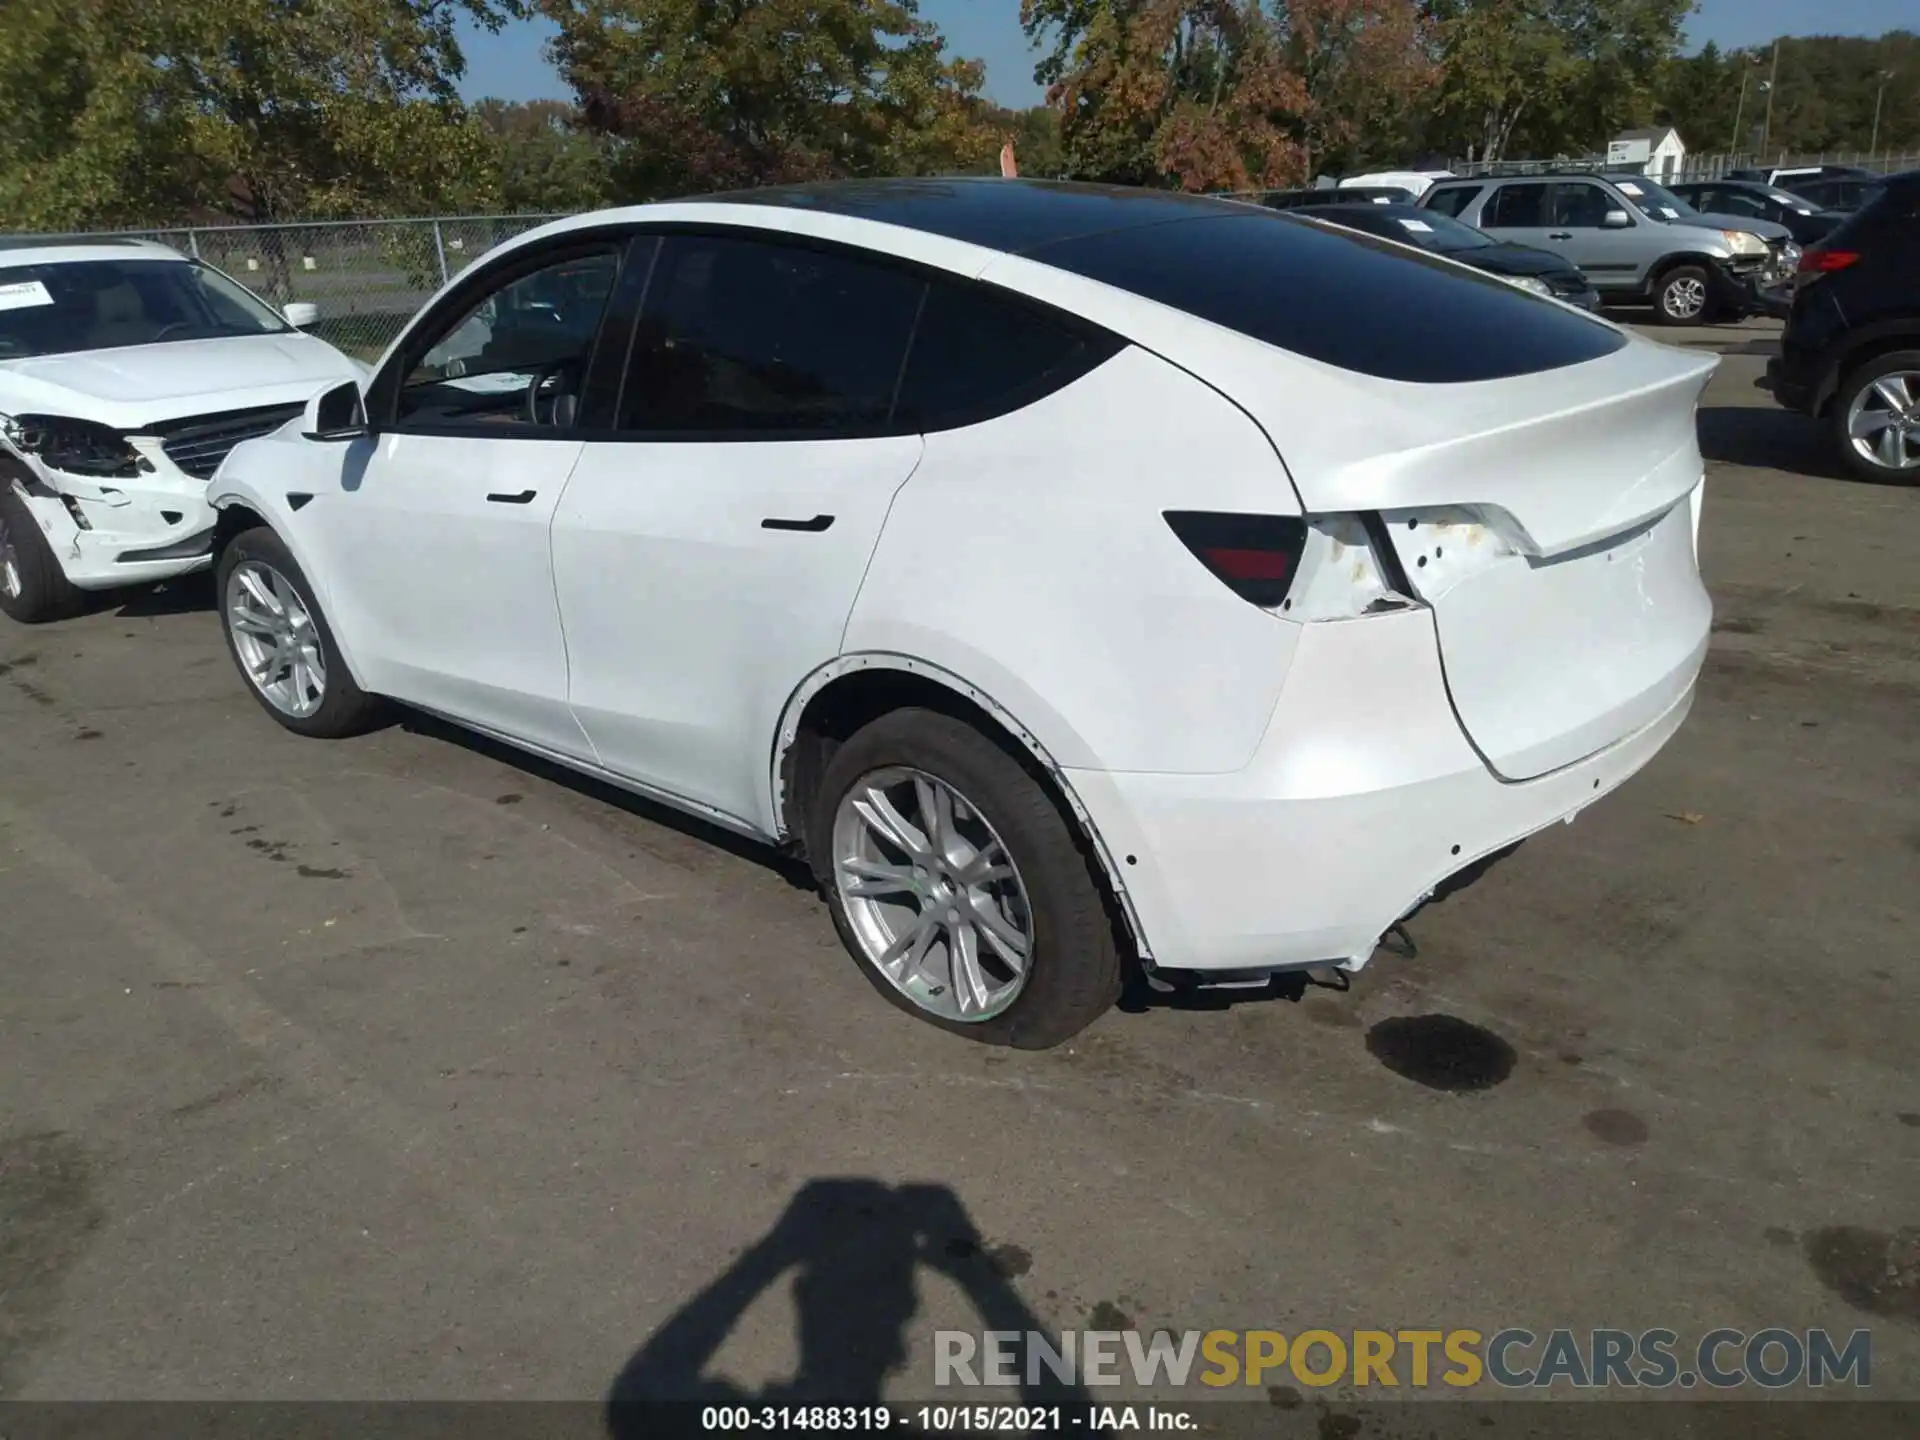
(700, 95)
(1225, 94)
(123, 112)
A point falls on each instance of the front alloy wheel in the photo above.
(1683, 298)
(276, 640)
(932, 895)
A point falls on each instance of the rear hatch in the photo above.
(1538, 469)
(1548, 519)
(1556, 548)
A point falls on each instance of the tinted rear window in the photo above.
(976, 355)
(1342, 298)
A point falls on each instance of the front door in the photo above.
(438, 551)
(1611, 256)
(1517, 213)
(708, 550)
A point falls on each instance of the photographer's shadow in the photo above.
(854, 1247)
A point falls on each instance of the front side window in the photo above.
(1517, 207)
(1731, 202)
(747, 338)
(1581, 207)
(62, 309)
(517, 357)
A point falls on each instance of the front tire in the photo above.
(1684, 296)
(959, 886)
(281, 643)
(33, 587)
(1876, 419)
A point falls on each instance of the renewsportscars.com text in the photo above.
(1513, 1358)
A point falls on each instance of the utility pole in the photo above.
(1873, 145)
(1766, 126)
(1740, 109)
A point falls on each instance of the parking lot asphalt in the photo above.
(405, 1067)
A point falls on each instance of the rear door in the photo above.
(712, 539)
(1519, 211)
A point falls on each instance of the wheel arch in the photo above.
(852, 690)
(237, 511)
(1863, 348)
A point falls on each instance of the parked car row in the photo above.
(1635, 241)
(1068, 574)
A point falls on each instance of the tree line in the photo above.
(135, 112)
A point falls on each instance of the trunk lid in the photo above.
(1563, 575)
(1549, 522)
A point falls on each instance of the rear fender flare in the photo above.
(842, 665)
(1862, 346)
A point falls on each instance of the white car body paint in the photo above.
(450, 596)
(1417, 181)
(667, 541)
(1263, 789)
(134, 389)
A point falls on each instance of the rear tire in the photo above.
(33, 587)
(1857, 390)
(343, 708)
(1684, 296)
(1072, 971)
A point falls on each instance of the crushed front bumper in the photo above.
(131, 530)
(1362, 800)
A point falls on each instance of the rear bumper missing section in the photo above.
(1364, 797)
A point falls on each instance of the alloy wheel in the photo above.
(276, 639)
(1883, 423)
(1686, 298)
(932, 895)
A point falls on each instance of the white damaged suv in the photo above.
(127, 372)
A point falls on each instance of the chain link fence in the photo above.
(367, 277)
(1693, 166)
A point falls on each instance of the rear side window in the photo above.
(1339, 297)
(977, 355)
(753, 339)
(1454, 199)
(1517, 207)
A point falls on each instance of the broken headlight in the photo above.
(79, 447)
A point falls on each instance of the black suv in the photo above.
(1851, 351)
(1763, 202)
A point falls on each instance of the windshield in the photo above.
(62, 308)
(1658, 201)
(1443, 233)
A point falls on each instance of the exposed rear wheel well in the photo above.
(849, 702)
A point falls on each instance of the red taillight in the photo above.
(1815, 261)
(1255, 556)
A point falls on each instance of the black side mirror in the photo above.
(337, 414)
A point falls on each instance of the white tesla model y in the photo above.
(1072, 574)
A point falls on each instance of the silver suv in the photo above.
(1690, 272)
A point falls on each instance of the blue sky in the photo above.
(512, 65)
